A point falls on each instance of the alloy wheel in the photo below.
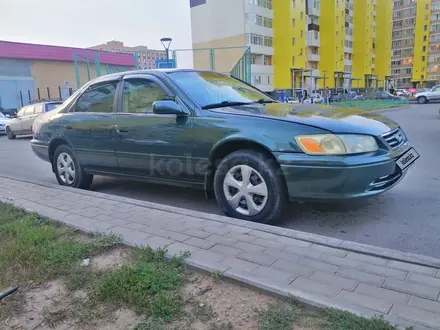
(66, 168)
(245, 190)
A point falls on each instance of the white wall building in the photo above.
(220, 24)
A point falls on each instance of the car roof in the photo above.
(155, 72)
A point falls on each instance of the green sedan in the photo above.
(211, 131)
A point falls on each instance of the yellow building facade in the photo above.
(340, 44)
(298, 43)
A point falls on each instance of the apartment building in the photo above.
(416, 43)
(146, 57)
(228, 27)
(301, 43)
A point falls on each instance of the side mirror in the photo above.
(169, 108)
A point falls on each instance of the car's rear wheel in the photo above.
(248, 186)
(422, 100)
(67, 169)
(9, 133)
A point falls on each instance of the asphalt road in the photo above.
(407, 218)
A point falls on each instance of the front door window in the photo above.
(140, 94)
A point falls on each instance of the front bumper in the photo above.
(41, 150)
(338, 178)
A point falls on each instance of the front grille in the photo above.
(395, 138)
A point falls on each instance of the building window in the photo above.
(268, 41)
(256, 39)
(293, 22)
(425, 28)
(267, 60)
(293, 61)
(293, 41)
(423, 58)
(424, 48)
(424, 38)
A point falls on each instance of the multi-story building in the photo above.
(416, 43)
(223, 29)
(146, 57)
(295, 43)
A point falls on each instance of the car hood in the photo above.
(4, 121)
(333, 119)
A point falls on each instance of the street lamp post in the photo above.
(166, 42)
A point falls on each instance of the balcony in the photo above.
(313, 27)
(313, 39)
(313, 57)
(314, 12)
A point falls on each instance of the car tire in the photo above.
(422, 100)
(67, 169)
(9, 134)
(263, 172)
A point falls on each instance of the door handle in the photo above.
(68, 126)
(121, 130)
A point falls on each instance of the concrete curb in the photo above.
(299, 235)
(392, 109)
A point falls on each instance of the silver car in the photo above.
(22, 124)
(430, 95)
(3, 121)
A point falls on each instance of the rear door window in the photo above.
(29, 110)
(51, 106)
(39, 108)
(97, 98)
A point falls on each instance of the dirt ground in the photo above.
(210, 304)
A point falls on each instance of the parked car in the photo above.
(21, 124)
(3, 121)
(291, 100)
(9, 113)
(214, 132)
(427, 96)
(385, 96)
(402, 92)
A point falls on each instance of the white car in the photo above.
(431, 95)
(3, 121)
(22, 124)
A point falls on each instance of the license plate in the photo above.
(407, 159)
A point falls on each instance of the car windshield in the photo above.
(2, 115)
(51, 106)
(209, 88)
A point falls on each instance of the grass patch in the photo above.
(284, 315)
(277, 317)
(151, 286)
(34, 250)
(339, 320)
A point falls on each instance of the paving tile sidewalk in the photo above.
(404, 293)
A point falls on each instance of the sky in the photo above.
(85, 23)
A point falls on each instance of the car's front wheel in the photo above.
(248, 186)
(67, 169)
(422, 100)
(9, 133)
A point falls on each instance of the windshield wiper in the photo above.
(224, 104)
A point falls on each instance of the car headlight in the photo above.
(332, 144)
